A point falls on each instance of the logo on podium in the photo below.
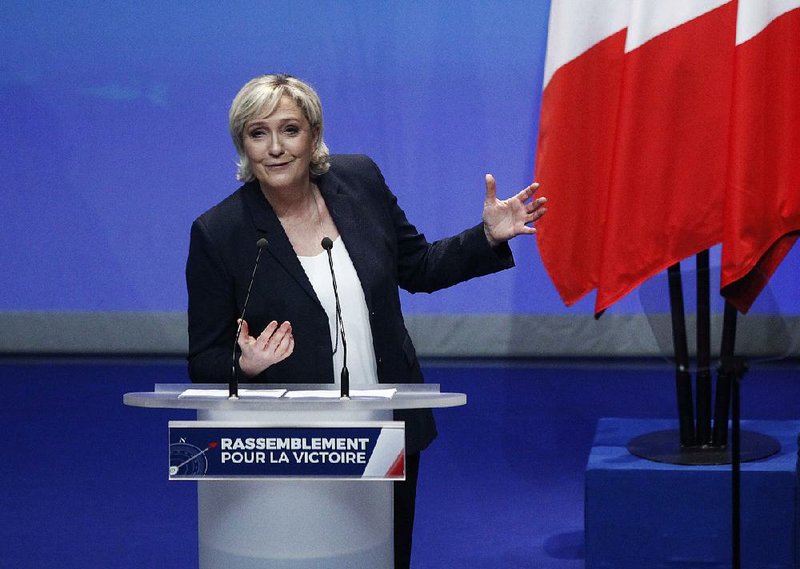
(206, 450)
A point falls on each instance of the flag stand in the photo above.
(698, 443)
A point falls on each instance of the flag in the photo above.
(762, 210)
(583, 72)
(635, 140)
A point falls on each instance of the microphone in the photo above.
(233, 388)
(327, 244)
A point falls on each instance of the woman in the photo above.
(294, 195)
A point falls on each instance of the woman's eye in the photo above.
(292, 129)
(256, 133)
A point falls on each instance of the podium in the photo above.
(289, 523)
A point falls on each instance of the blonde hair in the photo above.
(260, 97)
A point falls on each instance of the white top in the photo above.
(355, 315)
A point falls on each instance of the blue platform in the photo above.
(647, 515)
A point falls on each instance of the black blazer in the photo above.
(387, 251)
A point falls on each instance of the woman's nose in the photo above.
(275, 145)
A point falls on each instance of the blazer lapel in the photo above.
(279, 247)
(352, 228)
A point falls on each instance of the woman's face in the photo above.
(279, 147)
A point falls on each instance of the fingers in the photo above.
(537, 203)
(273, 334)
(522, 195)
(244, 333)
(526, 193)
(287, 349)
(536, 207)
(274, 344)
(280, 339)
(274, 338)
(491, 188)
(266, 334)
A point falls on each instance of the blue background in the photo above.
(115, 133)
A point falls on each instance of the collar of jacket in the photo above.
(341, 206)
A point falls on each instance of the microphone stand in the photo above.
(731, 371)
(327, 244)
(233, 387)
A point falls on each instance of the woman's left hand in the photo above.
(505, 219)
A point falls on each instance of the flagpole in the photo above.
(683, 377)
(703, 380)
(722, 402)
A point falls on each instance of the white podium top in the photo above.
(408, 396)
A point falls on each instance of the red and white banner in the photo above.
(658, 138)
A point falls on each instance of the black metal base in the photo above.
(664, 446)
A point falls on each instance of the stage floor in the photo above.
(503, 486)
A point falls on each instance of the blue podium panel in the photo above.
(647, 515)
